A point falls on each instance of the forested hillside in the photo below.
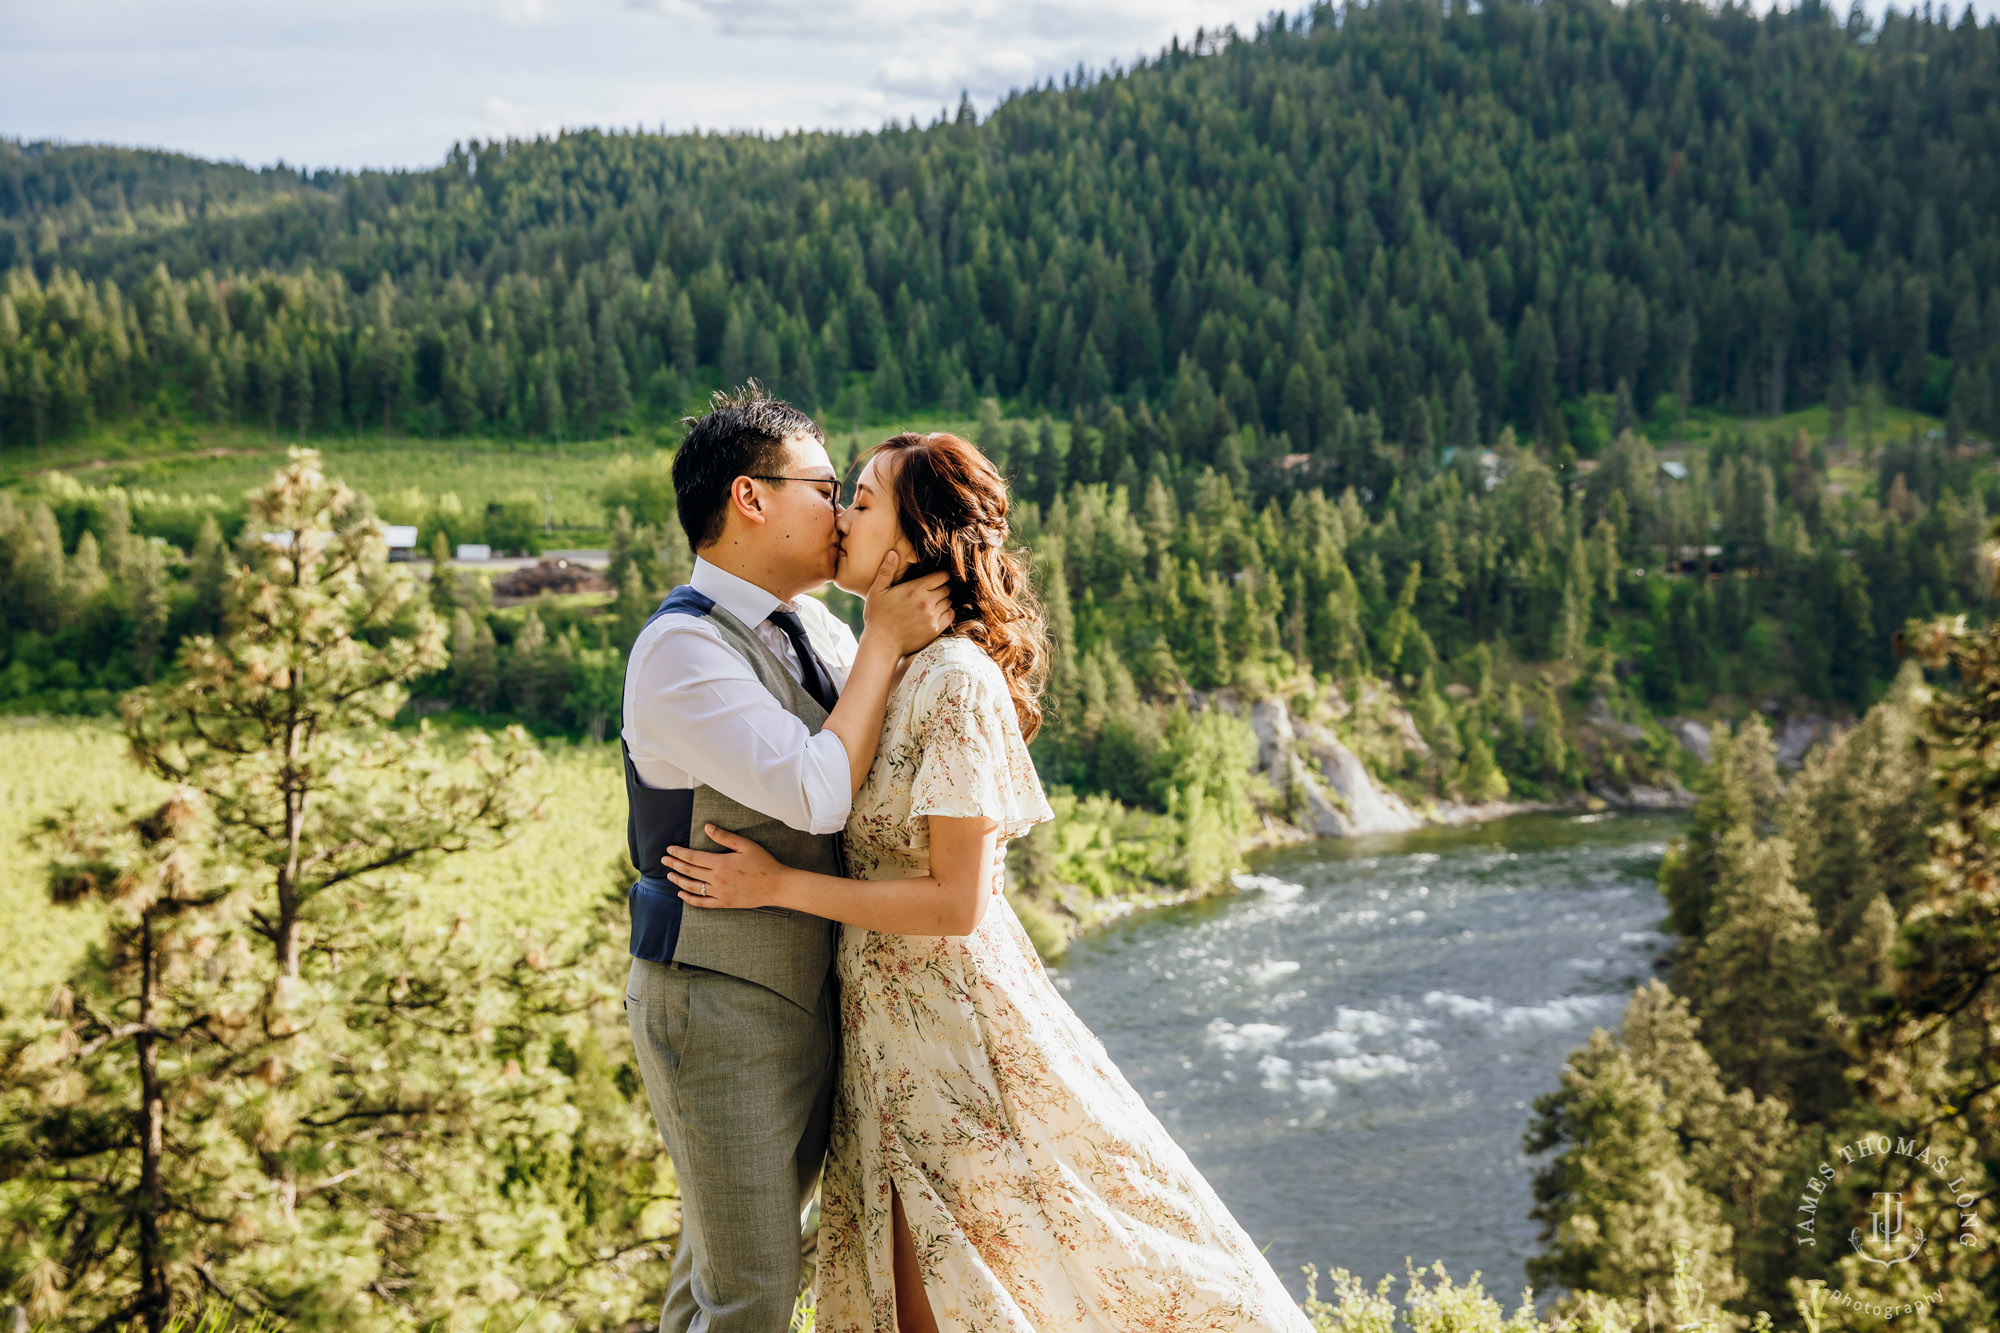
(1364, 234)
(1268, 281)
(1405, 367)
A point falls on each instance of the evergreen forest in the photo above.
(1520, 396)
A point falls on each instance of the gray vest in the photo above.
(785, 951)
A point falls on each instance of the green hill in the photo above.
(1362, 233)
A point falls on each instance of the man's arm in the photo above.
(902, 617)
(695, 703)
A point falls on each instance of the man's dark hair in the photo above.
(742, 436)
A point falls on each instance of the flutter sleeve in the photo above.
(974, 762)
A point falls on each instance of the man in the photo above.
(749, 706)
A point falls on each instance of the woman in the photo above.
(990, 1168)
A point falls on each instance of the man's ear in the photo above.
(745, 500)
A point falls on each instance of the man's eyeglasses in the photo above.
(828, 487)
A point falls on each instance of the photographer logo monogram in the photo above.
(1887, 1231)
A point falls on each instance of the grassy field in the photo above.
(1703, 427)
(45, 768)
(225, 461)
(563, 480)
(543, 882)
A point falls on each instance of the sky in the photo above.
(384, 83)
(394, 83)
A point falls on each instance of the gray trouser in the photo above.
(741, 1081)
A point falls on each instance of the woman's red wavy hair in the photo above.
(951, 504)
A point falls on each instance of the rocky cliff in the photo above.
(1328, 792)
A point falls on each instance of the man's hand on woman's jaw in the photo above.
(908, 615)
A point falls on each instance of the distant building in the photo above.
(402, 539)
(1678, 471)
(469, 552)
(1489, 464)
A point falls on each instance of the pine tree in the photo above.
(443, 589)
(86, 579)
(39, 579)
(1436, 725)
(889, 392)
(299, 392)
(1574, 625)
(1205, 766)
(549, 414)
(214, 390)
(146, 872)
(1736, 793)
(1047, 473)
(1759, 973)
(146, 577)
(1513, 724)
(732, 358)
(680, 335)
(1931, 1055)
(208, 576)
(481, 688)
(1742, 1149)
(461, 652)
(1550, 756)
(1480, 778)
(614, 384)
(1619, 1197)
(119, 545)
(1403, 645)
(632, 608)
(595, 692)
(558, 669)
(278, 1081)
(1086, 452)
(526, 669)
(990, 435)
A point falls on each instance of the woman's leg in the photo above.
(913, 1306)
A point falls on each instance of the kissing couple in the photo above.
(828, 985)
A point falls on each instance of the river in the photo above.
(1350, 1049)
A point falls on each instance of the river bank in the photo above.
(1309, 780)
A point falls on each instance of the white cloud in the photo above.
(924, 51)
(523, 13)
(394, 82)
(503, 119)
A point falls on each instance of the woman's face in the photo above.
(868, 527)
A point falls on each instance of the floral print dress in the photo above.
(1041, 1193)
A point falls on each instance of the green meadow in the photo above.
(563, 480)
(543, 882)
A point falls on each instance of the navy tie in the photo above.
(812, 672)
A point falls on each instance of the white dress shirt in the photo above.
(696, 714)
